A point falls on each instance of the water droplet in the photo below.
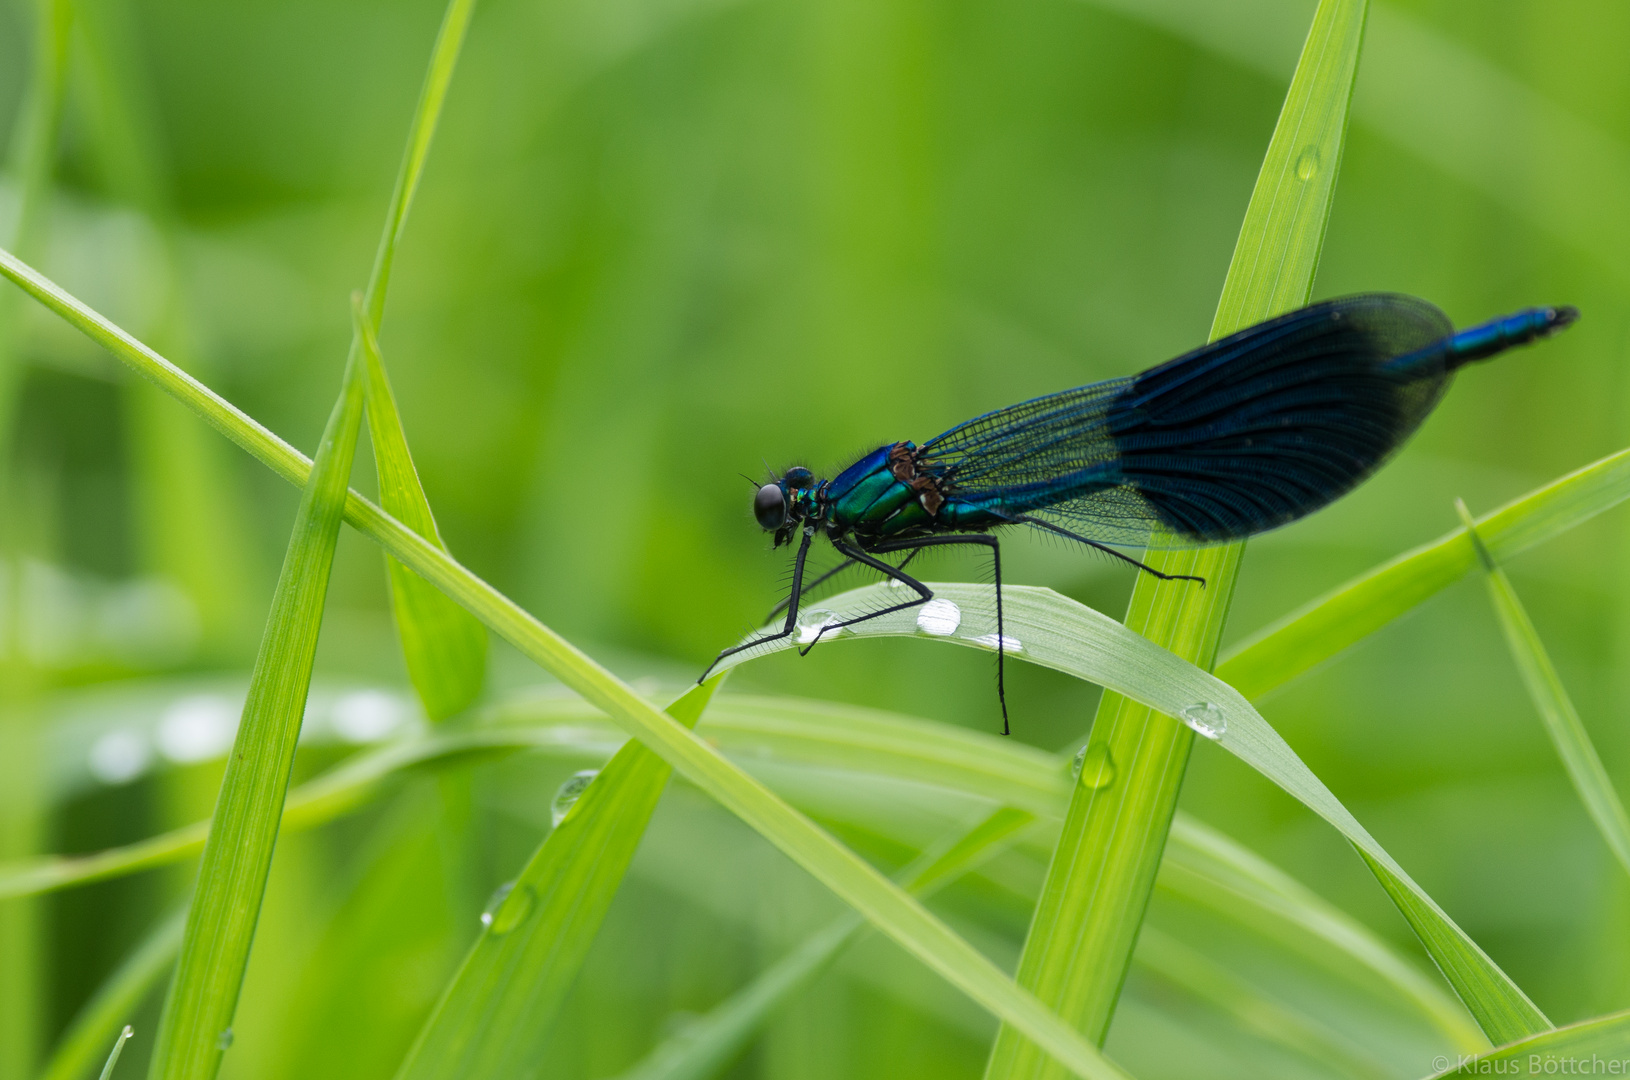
(119, 756)
(567, 794)
(224, 1039)
(896, 583)
(368, 715)
(1307, 164)
(508, 908)
(939, 617)
(1093, 767)
(197, 728)
(1008, 643)
(812, 621)
(1206, 719)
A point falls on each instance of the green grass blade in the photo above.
(710, 1042)
(197, 1021)
(1252, 1010)
(1086, 923)
(1598, 1047)
(498, 1011)
(1324, 627)
(118, 1048)
(1057, 632)
(444, 646)
(1562, 721)
(1205, 867)
(855, 881)
(80, 1047)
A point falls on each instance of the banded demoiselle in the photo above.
(1237, 437)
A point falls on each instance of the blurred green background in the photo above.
(663, 243)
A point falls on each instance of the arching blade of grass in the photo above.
(1086, 923)
(84, 1043)
(1589, 1048)
(710, 1042)
(197, 1021)
(845, 873)
(1057, 632)
(1202, 866)
(498, 1011)
(1344, 616)
(118, 1048)
(445, 647)
(1562, 721)
(1188, 970)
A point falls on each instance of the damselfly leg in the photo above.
(792, 608)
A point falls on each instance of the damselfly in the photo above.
(1245, 434)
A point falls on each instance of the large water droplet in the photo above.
(939, 617)
(1307, 164)
(813, 621)
(508, 908)
(1206, 719)
(567, 794)
(1008, 643)
(1094, 768)
(223, 1041)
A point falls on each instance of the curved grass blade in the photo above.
(1324, 627)
(444, 647)
(1203, 866)
(118, 1048)
(1191, 971)
(1057, 632)
(497, 1012)
(1562, 721)
(80, 1047)
(708, 1043)
(841, 870)
(196, 1025)
(1086, 923)
(1590, 1048)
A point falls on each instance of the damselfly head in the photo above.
(770, 507)
(777, 506)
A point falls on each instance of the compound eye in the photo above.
(770, 507)
(799, 477)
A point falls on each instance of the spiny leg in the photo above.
(1050, 527)
(924, 594)
(995, 546)
(818, 582)
(792, 608)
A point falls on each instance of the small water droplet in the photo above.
(224, 1039)
(939, 618)
(567, 794)
(508, 908)
(1093, 767)
(1307, 164)
(1206, 719)
(811, 622)
(1008, 643)
(896, 583)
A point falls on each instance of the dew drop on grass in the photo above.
(567, 794)
(508, 908)
(1094, 768)
(939, 618)
(1206, 719)
(224, 1039)
(811, 622)
(1307, 164)
(1008, 643)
